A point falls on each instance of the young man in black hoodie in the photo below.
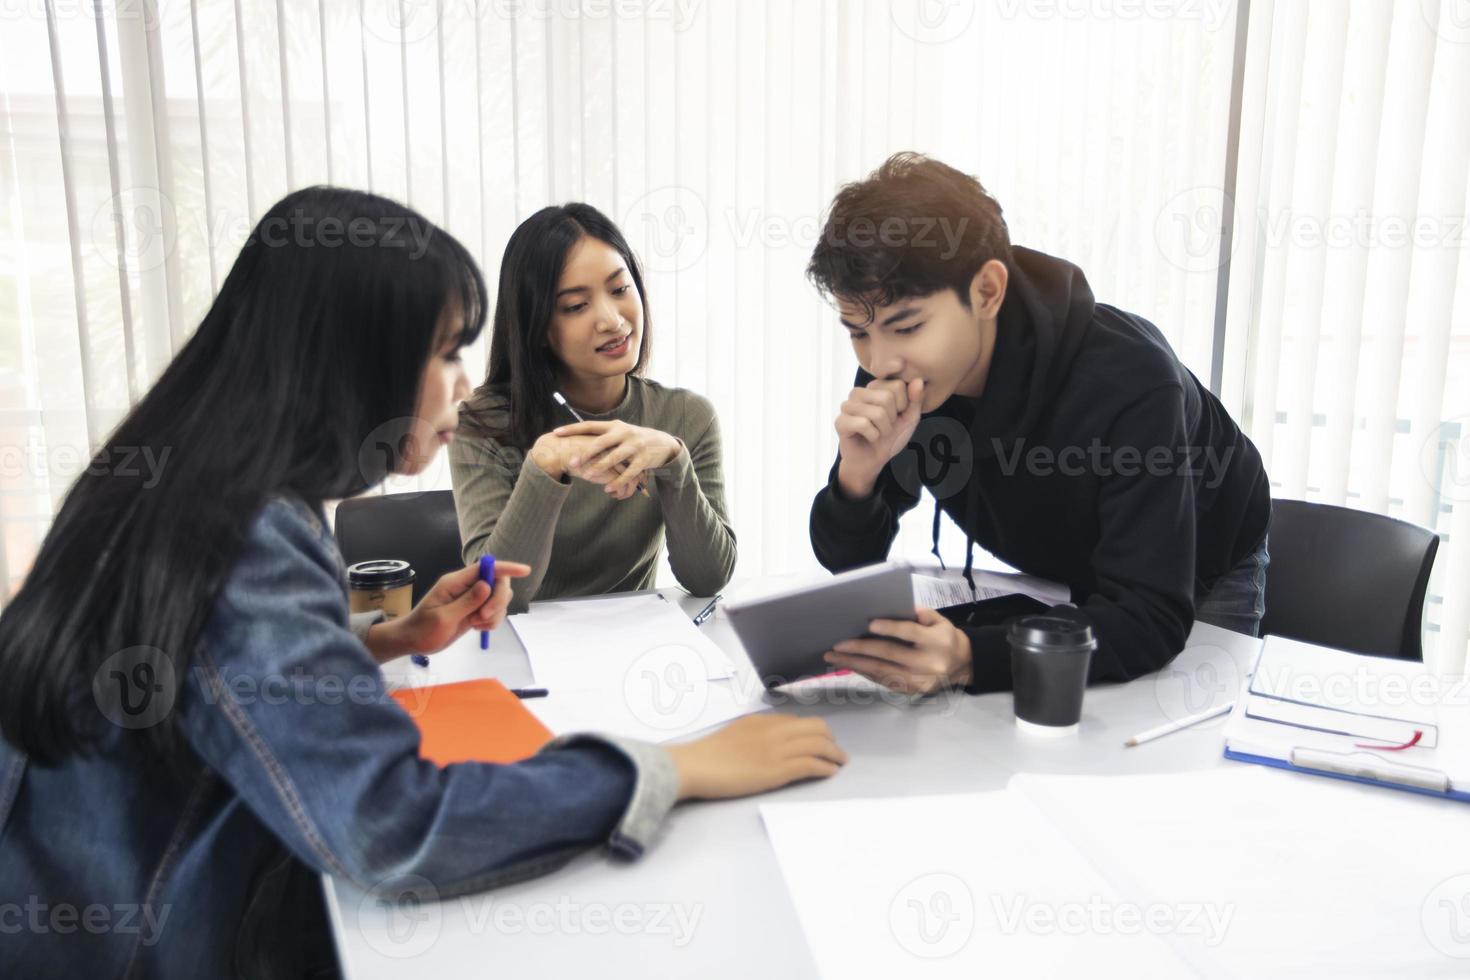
(1059, 433)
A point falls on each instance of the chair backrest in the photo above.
(1347, 578)
(420, 528)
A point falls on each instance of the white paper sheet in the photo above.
(1227, 872)
(937, 593)
(964, 886)
(631, 665)
(564, 638)
(1319, 877)
(949, 588)
(654, 709)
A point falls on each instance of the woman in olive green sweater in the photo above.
(587, 504)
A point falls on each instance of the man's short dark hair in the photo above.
(913, 227)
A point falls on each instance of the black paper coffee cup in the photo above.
(1049, 658)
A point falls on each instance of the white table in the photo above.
(708, 899)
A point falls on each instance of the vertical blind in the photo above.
(141, 140)
(1349, 351)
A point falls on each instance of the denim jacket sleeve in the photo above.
(284, 702)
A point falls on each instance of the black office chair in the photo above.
(1348, 579)
(419, 528)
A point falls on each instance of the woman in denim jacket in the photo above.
(194, 727)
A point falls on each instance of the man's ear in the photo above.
(988, 289)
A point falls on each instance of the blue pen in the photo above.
(420, 660)
(487, 575)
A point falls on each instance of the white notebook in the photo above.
(1373, 719)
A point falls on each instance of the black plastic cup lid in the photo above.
(380, 573)
(1051, 633)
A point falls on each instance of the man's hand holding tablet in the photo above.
(921, 656)
(789, 634)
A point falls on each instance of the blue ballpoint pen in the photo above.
(487, 575)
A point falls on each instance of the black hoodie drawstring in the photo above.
(935, 550)
(969, 545)
(972, 491)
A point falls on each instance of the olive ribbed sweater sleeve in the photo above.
(507, 507)
(691, 492)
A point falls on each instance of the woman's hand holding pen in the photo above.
(555, 455)
(458, 603)
(620, 454)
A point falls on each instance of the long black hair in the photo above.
(522, 368)
(306, 365)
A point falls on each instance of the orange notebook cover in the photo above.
(472, 721)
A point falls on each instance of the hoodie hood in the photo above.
(1042, 324)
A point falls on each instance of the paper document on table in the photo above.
(633, 666)
(651, 704)
(1251, 861)
(937, 592)
(962, 899)
(1123, 876)
(557, 635)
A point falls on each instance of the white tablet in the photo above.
(787, 633)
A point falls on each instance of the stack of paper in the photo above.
(1374, 718)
